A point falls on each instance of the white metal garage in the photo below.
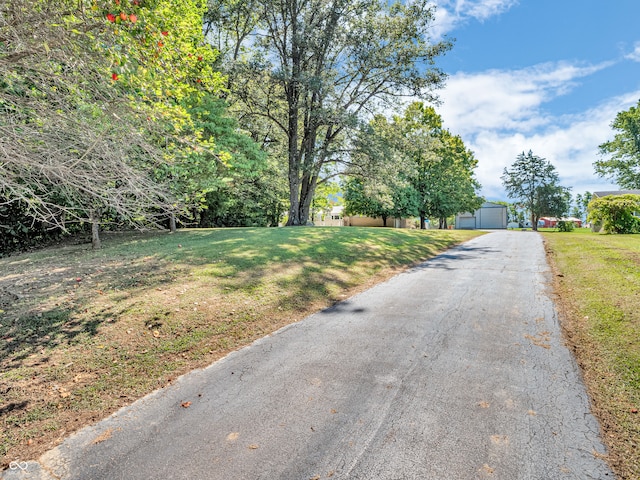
(489, 216)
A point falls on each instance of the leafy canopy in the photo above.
(413, 161)
(533, 181)
(90, 99)
(315, 69)
(442, 167)
(623, 164)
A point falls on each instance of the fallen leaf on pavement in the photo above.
(488, 469)
(106, 435)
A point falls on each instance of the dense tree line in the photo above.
(138, 113)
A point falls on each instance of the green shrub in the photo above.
(18, 231)
(565, 226)
(616, 213)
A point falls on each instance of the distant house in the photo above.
(615, 192)
(489, 216)
(364, 221)
(331, 218)
(335, 218)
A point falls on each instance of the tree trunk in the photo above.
(292, 89)
(423, 219)
(94, 217)
(294, 195)
(306, 197)
(197, 218)
(384, 220)
(172, 222)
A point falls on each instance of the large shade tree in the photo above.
(621, 156)
(533, 182)
(441, 167)
(314, 69)
(378, 183)
(414, 161)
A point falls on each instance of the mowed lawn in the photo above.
(598, 287)
(85, 332)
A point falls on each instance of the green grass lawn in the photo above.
(85, 332)
(598, 282)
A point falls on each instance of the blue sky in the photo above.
(541, 75)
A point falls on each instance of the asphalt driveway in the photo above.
(453, 370)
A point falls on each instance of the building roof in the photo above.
(616, 192)
(563, 219)
(492, 205)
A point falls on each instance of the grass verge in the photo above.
(598, 284)
(83, 333)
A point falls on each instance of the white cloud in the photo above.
(452, 13)
(500, 114)
(635, 55)
(484, 9)
(572, 149)
(444, 22)
(507, 100)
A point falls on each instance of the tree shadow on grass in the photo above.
(31, 324)
(343, 246)
(303, 266)
(309, 259)
(35, 333)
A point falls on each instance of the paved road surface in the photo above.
(453, 370)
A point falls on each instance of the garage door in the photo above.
(491, 218)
